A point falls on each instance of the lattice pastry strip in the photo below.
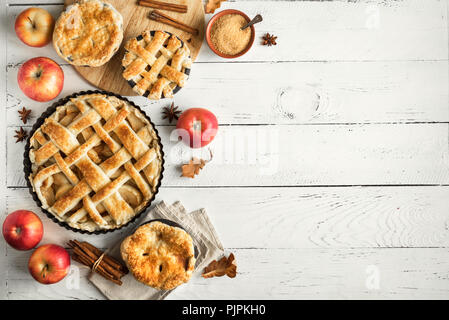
(85, 166)
(156, 65)
(106, 126)
(96, 179)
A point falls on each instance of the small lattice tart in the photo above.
(88, 33)
(156, 64)
(159, 255)
(96, 162)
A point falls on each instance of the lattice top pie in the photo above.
(159, 255)
(156, 64)
(88, 33)
(96, 162)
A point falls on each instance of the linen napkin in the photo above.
(196, 224)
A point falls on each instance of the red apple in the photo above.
(34, 26)
(41, 79)
(23, 230)
(49, 264)
(197, 127)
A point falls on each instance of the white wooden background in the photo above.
(331, 165)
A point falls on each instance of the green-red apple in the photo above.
(49, 264)
(22, 230)
(34, 26)
(40, 79)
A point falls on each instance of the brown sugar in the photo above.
(226, 35)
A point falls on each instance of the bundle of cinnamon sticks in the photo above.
(181, 8)
(104, 265)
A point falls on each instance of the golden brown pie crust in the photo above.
(159, 255)
(96, 162)
(88, 33)
(156, 64)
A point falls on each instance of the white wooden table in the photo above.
(331, 170)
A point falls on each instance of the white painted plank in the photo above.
(286, 274)
(330, 274)
(260, 93)
(3, 124)
(317, 31)
(351, 217)
(300, 155)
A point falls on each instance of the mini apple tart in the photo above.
(88, 33)
(159, 255)
(156, 64)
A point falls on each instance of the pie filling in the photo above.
(96, 162)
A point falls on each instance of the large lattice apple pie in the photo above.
(96, 162)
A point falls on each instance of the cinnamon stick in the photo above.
(99, 271)
(116, 273)
(87, 254)
(96, 253)
(162, 18)
(110, 260)
(85, 261)
(168, 4)
(163, 6)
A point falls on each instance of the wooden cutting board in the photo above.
(135, 20)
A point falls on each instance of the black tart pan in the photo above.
(27, 162)
(146, 93)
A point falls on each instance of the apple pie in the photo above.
(156, 64)
(96, 162)
(88, 33)
(159, 255)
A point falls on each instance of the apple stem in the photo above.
(44, 271)
(32, 23)
(39, 72)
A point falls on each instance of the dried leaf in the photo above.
(212, 5)
(193, 167)
(224, 266)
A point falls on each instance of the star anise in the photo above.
(269, 40)
(20, 135)
(24, 114)
(171, 113)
